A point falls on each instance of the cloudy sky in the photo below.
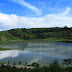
(35, 13)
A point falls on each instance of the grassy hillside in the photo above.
(37, 33)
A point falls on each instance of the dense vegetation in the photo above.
(54, 67)
(37, 33)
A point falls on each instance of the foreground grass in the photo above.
(51, 68)
(0, 63)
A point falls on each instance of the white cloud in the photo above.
(33, 8)
(49, 20)
(67, 11)
(8, 21)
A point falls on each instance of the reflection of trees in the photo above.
(19, 62)
(35, 65)
(67, 61)
(56, 62)
(8, 62)
(54, 67)
(14, 63)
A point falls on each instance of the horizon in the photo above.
(36, 28)
(35, 14)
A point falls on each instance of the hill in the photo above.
(36, 33)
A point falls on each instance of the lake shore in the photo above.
(48, 39)
(31, 40)
(2, 49)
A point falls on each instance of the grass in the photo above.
(48, 39)
(1, 63)
(4, 48)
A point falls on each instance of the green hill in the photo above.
(37, 33)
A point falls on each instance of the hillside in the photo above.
(36, 33)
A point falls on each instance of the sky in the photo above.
(35, 13)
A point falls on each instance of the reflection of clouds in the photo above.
(52, 52)
(11, 53)
(58, 54)
(40, 49)
(8, 53)
(36, 59)
(38, 55)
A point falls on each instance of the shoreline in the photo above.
(31, 40)
(2, 49)
(48, 39)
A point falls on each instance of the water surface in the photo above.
(42, 52)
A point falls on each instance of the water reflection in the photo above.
(35, 52)
(9, 53)
(42, 55)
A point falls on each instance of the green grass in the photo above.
(48, 39)
(31, 40)
(4, 48)
(1, 63)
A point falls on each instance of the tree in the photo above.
(8, 62)
(56, 62)
(54, 67)
(2, 64)
(65, 27)
(19, 62)
(26, 63)
(14, 63)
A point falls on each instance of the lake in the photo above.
(42, 52)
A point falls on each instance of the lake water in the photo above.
(42, 52)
